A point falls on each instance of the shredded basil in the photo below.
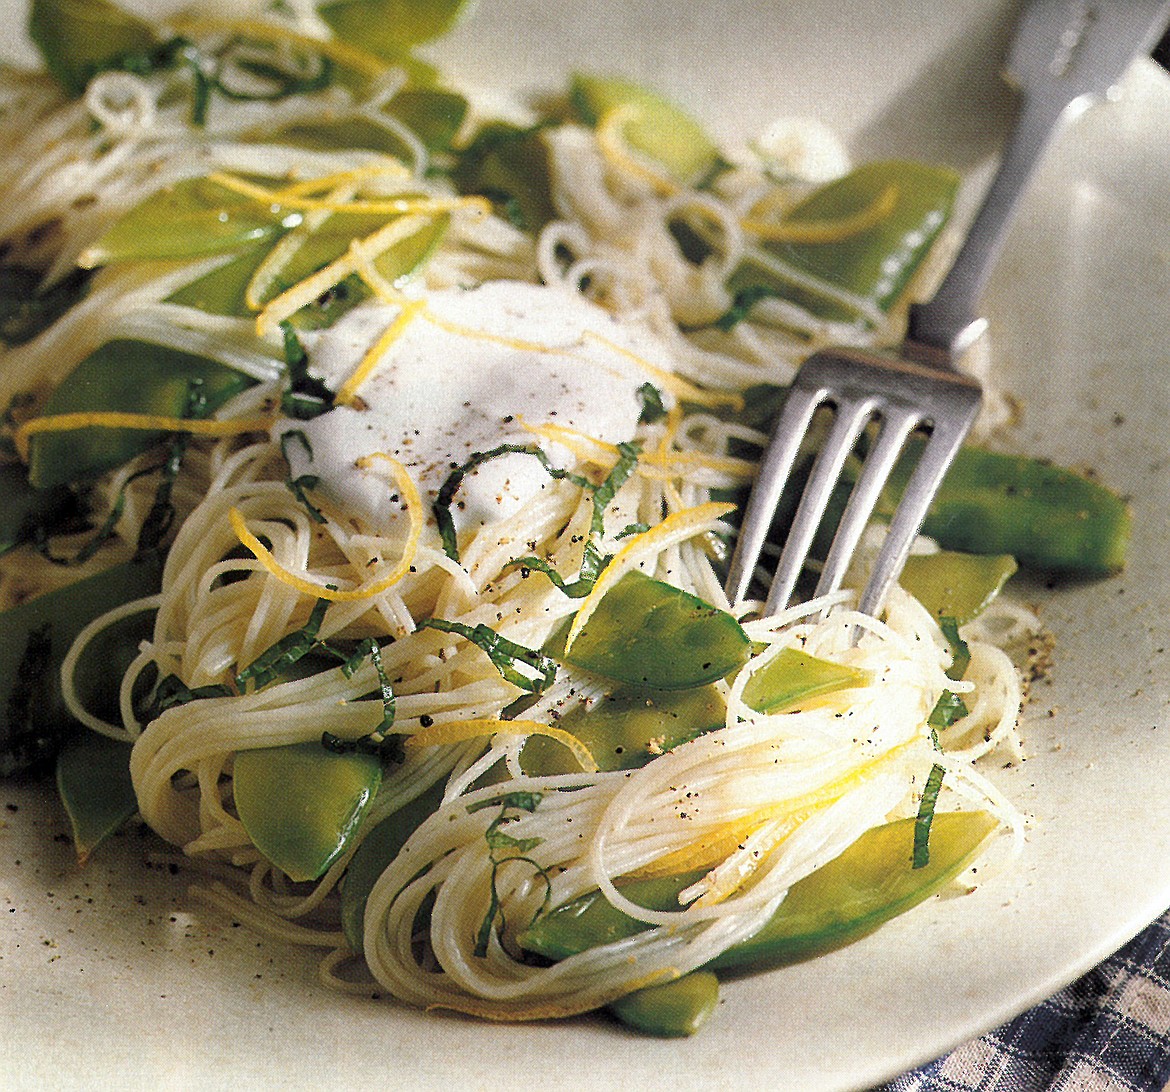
(509, 849)
(745, 300)
(925, 818)
(652, 408)
(960, 653)
(504, 654)
(274, 661)
(446, 495)
(297, 486)
(307, 396)
(379, 741)
(593, 560)
(525, 801)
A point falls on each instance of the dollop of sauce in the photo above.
(458, 379)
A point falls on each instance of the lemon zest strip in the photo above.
(347, 392)
(316, 284)
(320, 591)
(459, 731)
(146, 422)
(823, 231)
(675, 528)
(587, 448)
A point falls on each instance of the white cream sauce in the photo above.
(457, 380)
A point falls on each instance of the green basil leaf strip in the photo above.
(924, 821)
(93, 782)
(128, 376)
(504, 654)
(648, 633)
(671, 1010)
(274, 662)
(302, 805)
(657, 127)
(190, 219)
(868, 884)
(960, 653)
(389, 29)
(79, 38)
(858, 278)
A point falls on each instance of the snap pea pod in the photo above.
(648, 633)
(862, 275)
(377, 850)
(509, 165)
(28, 510)
(130, 376)
(389, 29)
(656, 127)
(868, 884)
(671, 1010)
(93, 782)
(1049, 518)
(627, 727)
(37, 635)
(956, 585)
(78, 38)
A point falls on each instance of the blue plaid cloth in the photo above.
(1107, 1032)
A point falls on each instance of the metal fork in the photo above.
(1065, 54)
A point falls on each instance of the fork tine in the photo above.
(897, 422)
(945, 440)
(849, 421)
(775, 467)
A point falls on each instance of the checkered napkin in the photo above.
(1107, 1032)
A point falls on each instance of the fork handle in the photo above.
(1066, 53)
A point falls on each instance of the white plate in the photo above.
(111, 973)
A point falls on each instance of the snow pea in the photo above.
(627, 727)
(301, 804)
(390, 28)
(868, 884)
(377, 850)
(648, 633)
(38, 634)
(656, 127)
(93, 782)
(26, 509)
(671, 1010)
(124, 375)
(222, 290)
(193, 218)
(956, 585)
(78, 38)
(854, 278)
(1048, 518)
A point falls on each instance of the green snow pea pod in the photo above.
(377, 850)
(26, 509)
(861, 276)
(127, 376)
(93, 782)
(670, 1010)
(222, 290)
(301, 804)
(194, 218)
(1048, 518)
(509, 165)
(79, 38)
(656, 127)
(37, 635)
(956, 585)
(627, 727)
(647, 633)
(389, 28)
(868, 884)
